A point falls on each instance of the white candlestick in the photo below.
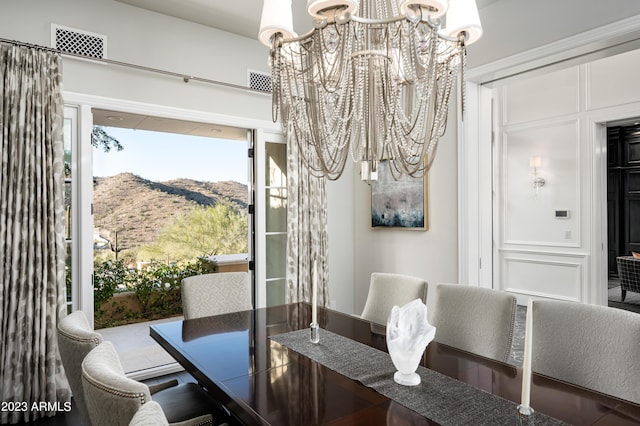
(314, 292)
(526, 364)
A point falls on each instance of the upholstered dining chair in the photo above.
(113, 399)
(629, 273)
(75, 340)
(149, 414)
(595, 347)
(215, 294)
(474, 319)
(387, 290)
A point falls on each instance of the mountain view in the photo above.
(138, 209)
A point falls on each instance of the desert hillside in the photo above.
(137, 208)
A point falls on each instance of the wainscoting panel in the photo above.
(613, 81)
(548, 215)
(546, 96)
(553, 275)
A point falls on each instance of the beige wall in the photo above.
(431, 254)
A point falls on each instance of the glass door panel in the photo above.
(276, 221)
(69, 179)
(276, 214)
(271, 205)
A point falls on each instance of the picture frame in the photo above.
(401, 203)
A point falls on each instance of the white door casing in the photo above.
(83, 104)
(575, 50)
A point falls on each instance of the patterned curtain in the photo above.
(306, 230)
(32, 286)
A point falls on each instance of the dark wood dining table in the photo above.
(265, 383)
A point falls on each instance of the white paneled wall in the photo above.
(555, 275)
(556, 145)
(613, 81)
(545, 96)
(555, 116)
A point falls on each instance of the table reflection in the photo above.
(263, 382)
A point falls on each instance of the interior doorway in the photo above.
(623, 205)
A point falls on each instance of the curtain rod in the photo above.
(186, 78)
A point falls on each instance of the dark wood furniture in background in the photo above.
(623, 192)
(265, 383)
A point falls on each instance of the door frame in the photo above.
(478, 240)
(81, 266)
(84, 104)
(262, 137)
(475, 192)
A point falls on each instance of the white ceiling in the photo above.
(240, 17)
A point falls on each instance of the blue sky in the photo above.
(165, 156)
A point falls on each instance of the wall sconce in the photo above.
(535, 162)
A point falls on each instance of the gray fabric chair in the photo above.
(474, 319)
(75, 340)
(113, 399)
(591, 346)
(149, 414)
(387, 290)
(629, 273)
(215, 294)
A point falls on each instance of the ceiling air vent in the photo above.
(260, 81)
(78, 42)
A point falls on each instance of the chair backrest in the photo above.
(112, 398)
(75, 341)
(629, 272)
(150, 414)
(215, 294)
(591, 346)
(475, 319)
(387, 290)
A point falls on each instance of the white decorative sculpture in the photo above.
(408, 334)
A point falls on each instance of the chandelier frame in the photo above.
(372, 89)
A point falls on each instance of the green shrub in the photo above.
(157, 287)
(109, 277)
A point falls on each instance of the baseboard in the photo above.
(150, 373)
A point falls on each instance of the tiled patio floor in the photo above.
(137, 350)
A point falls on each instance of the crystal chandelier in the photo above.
(372, 80)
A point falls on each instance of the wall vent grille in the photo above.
(260, 81)
(78, 42)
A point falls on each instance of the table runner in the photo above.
(438, 397)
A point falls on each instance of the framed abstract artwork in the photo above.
(398, 203)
